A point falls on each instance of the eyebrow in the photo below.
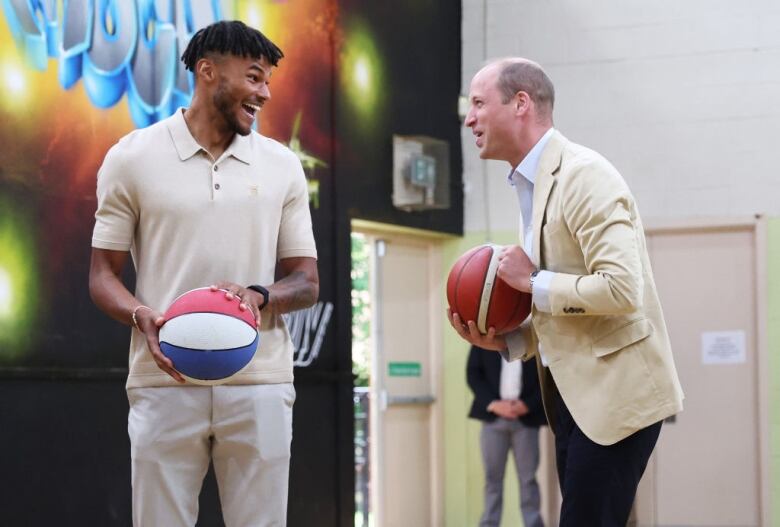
(257, 67)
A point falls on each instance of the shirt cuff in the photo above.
(541, 293)
(515, 346)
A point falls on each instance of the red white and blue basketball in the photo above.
(208, 337)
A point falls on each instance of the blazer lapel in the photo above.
(549, 163)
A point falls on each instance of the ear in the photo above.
(206, 70)
(522, 102)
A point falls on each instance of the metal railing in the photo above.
(361, 404)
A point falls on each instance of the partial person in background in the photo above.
(597, 331)
(508, 402)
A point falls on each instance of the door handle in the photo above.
(419, 400)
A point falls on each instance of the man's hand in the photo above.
(471, 334)
(515, 268)
(248, 298)
(149, 322)
(519, 408)
(111, 296)
(508, 409)
(502, 408)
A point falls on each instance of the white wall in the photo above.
(683, 96)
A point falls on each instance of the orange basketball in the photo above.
(475, 293)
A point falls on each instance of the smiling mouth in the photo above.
(250, 109)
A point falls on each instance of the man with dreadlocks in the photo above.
(201, 199)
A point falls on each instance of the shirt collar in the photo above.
(187, 146)
(241, 148)
(529, 164)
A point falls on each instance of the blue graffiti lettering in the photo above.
(114, 39)
(153, 68)
(116, 46)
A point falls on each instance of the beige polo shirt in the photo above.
(189, 222)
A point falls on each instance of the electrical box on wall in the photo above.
(421, 173)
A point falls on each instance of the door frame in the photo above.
(377, 230)
(758, 225)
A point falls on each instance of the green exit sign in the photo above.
(404, 369)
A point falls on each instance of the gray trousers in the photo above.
(496, 440)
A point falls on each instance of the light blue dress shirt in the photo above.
(523, 178)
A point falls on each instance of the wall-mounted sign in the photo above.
(404, 369)
(723, 347)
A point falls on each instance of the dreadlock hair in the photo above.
(231, 37)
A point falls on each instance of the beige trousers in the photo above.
(245, 430)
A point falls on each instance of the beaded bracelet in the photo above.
(135, 322)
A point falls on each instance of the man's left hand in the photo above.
(515, 268)
(248, 298)
(520, 408)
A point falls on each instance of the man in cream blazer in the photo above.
(605, 362)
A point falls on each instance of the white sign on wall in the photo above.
(723, 347)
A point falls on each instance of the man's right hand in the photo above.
(149, 323)
(505, 409)
(471, 334)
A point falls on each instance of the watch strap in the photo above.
(531, 280)
(263, 291)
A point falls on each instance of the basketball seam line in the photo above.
(487, 290)
(211, 313)
(457, 282)
(209, 350)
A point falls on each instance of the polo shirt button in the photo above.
(216, 167)
(216, 186)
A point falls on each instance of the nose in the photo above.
(264, 92)
(470, 119)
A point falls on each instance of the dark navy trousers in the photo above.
(598, 483)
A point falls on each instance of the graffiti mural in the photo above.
(116, 48)
(75, 76)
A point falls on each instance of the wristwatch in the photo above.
(531, 281)
(263, 291)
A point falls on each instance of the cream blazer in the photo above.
(605, 340)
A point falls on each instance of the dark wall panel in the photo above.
(399, 74)
(65, 454)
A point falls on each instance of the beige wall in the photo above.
(680, 96)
